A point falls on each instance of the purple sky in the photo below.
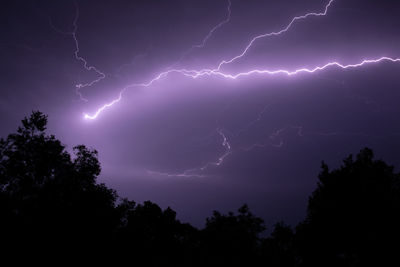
(211, 142)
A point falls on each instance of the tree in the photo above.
(156, 237)
(279, 248)
(50, 201)
(230, 239)
(49, 197)
(354, 215)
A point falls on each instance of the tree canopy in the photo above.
(50, 200)
(354, 214)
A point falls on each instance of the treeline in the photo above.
(51, 204)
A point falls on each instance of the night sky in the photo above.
(207, 142)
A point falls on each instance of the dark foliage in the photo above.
(51, 204)
(279, 248)
(353, 216)
(49, 199)
(231, 239)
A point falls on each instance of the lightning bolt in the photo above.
(228, 148)
(196, 74)
(233, 76)
(216, 27)
(273, 137)
(250, 124)
(197, 172)
(85, 63)
(276, 33)
(274, 140)
(206, 38)
(105, 106)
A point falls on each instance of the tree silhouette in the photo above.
(230, 239)
(353, 215)
(51, 200)
(155, 236)
(47, 197)
(279, 248)
(51, 204)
